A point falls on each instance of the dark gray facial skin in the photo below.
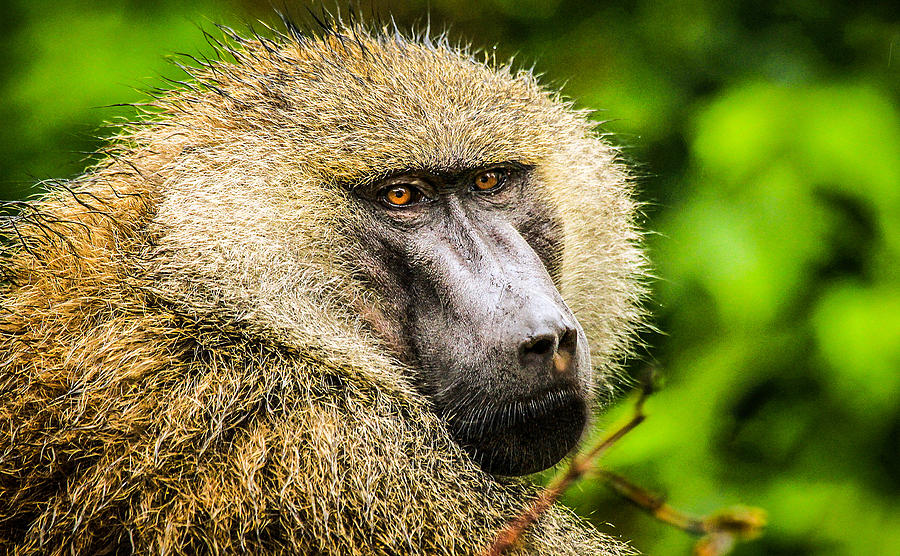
(466, 280)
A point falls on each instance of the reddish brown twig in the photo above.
(720, 530)
(580, 465)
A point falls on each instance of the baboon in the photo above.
(324, 297)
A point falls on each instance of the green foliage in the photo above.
(768, 138)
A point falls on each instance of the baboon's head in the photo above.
(463, 257)
(364, 189)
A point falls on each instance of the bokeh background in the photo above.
(766, 136)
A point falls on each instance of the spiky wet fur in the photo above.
(187, 357)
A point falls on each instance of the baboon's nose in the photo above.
(551, 350)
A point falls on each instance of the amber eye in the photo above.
(491, 179)
(400, 195)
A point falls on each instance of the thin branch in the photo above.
(720, 530)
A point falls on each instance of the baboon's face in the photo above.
(464, 262)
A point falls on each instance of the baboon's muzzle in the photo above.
(504, 359)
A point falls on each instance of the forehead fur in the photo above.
(362, 104)
(259, 152)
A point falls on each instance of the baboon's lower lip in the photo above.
(523, 436)
(519, 411)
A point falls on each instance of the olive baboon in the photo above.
(313, 302)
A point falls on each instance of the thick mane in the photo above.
(183, 365)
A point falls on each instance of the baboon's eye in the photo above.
(490, 179)
(400, 195)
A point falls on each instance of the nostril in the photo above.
(568, 342)
(542, 345)
(536, 352)
(553, 352)
(564, 358)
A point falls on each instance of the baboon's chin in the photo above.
(523, 436)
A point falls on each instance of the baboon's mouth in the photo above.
(521, 436)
